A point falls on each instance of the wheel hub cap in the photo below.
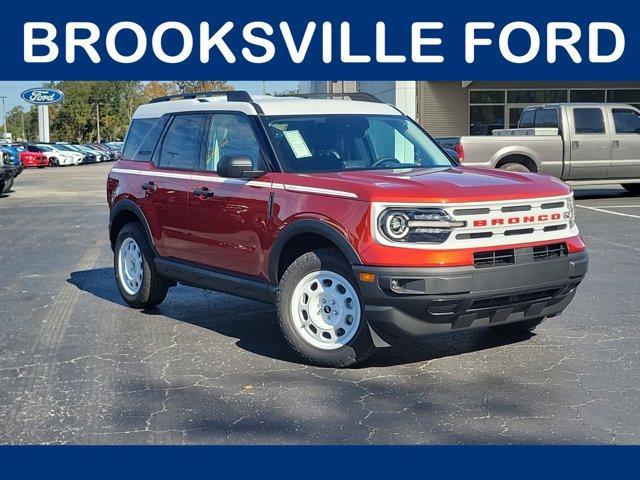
(130, 268)
(325, 309)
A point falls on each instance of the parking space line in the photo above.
(609, 211)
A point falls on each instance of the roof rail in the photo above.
(232, 96)
(356, 96)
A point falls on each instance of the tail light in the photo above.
(460, 151)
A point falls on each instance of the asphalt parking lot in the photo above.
(77, 366)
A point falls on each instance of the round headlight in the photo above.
(395, 225)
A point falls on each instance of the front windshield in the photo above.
(335, 143)
(45, 148)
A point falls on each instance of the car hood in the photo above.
(439, 185)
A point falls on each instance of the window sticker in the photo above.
(297, 144)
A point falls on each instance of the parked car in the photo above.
(58, 157)
(100, 156)
(581, 143)
(11, 152)
(103, 149)
(116, 148)
(6, 178)
(89, 156)
(32, 158)
(345, 214)
(8, 170)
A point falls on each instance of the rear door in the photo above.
(229, 223)
(167, 181)
(590, 143)
(625, 154)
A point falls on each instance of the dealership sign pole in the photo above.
(42, 98)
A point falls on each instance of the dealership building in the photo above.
(477, 108)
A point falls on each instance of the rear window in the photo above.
(539, 118)
(142, 138)
(527, 120)
(588, 120)
(626, 121)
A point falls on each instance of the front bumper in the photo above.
(422, 301)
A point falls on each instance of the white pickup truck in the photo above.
(580, 143)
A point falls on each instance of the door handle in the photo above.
(203, 193)
(575, 145)
(616, 144)
(149, 187)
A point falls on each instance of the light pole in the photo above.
(98, 120)
(4, 120)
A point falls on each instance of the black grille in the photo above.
(513, 299)
(494, 258)
(548, 252)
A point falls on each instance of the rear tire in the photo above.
(140, 284)
(633, 188)
(526, 326)
(320, 311)
(514, 167)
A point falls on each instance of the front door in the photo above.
(625, 154)
(591, 144)
(168, 184)
(229, 216)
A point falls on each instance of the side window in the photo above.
(148, 144)
(588, 120)
(138, 130)
(181, 145)
(626, 121)
(527, 120)
(230, 134)
(550, 118)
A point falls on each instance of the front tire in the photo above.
(320, 311)
(140, 284)
(633, 188)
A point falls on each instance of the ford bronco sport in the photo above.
(344, 213)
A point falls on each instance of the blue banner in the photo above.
(288, 40)
(479, 462)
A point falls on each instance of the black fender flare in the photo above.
(309, 226)
(126, 205)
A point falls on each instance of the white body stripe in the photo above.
(250, 183)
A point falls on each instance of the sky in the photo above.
(13, 89)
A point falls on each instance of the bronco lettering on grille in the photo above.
(517, 220)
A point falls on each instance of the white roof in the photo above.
(270, 106)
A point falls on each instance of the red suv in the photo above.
(345, 213)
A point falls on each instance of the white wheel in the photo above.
(325, 309)
(130, 266)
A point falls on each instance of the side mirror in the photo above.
(237, 166)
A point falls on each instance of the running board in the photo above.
(197, 276)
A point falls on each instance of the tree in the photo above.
(75, 119)
(156, 89)
(15, 118)
(202, 86)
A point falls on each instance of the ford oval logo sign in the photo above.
(42, 96)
